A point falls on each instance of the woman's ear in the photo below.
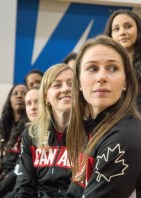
(80, 88)
(46, 99)
(124, 87)
(46, 102)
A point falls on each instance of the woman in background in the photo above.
(44, 160)
(124, 26)
(33, 78)
(70, 59)
(31, 103)
(31, 106)
(12, 124)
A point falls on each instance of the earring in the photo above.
(124, 89)
(48, 103)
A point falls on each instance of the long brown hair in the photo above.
(77, 140)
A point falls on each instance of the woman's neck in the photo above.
(61, 120)
(17, 116)
(130, 53)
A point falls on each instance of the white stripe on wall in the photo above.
(49, 16)
(8, 10)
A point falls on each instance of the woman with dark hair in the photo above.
(12, 124)
(70, 59)
(124, 26)
(33, 78)
(104, 131)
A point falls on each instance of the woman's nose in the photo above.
(20, 95)
(34, 106)
(122, 31)
(101, 76)
(66, 88)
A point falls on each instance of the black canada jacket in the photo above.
(10, 155)
(11, 149)
(114, 166)
(41, 173)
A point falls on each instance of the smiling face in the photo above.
(59, 93)
(102, 77)
(124, 31)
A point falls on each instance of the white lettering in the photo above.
(43, 157)
(37, 155)
(63, 161)
(51, 156)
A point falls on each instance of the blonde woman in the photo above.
(44, 160)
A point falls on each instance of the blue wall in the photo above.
(64, 38)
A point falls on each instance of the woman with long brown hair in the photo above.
(104, 131)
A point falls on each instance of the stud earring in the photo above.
(48, 103)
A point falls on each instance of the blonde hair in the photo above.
(39, 128)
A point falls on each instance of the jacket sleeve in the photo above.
(116, 168)
(74, 191)
(116, 171)
(26, 184)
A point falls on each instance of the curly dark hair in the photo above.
(7, 117)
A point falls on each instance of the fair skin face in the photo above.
(31, 103)
(124, 31)
(33, 80)
(17, 100)
(102, 77)
(59, 98)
